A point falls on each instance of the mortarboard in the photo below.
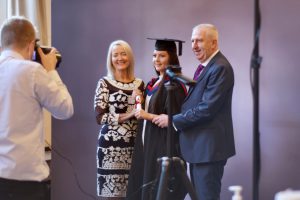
(166, 44)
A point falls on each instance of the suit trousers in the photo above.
(24, 190)
(206, 178)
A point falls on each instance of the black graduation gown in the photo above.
(144, 173)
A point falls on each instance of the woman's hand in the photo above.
(140, 114)
(161, 120)
(137, 92)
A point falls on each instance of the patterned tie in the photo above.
(198, 71)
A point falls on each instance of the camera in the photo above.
(46, 50)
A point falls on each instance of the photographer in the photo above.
(26, 87)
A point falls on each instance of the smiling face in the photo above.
(160, 61)
(119, 57)
(204, 44)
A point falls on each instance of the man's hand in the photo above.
(161, 120)
(48, 60)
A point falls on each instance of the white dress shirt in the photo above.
(209, 59)
(25, 89)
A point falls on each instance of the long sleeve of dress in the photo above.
(103, 114)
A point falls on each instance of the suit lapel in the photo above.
(205, 70)
(197, 82)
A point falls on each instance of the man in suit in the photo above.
(205, 122)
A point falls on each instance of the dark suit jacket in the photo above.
(205, 122)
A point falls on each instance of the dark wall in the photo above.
(83, 30)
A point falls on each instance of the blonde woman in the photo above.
(114, 107)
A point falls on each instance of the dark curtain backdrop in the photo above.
(83, 30)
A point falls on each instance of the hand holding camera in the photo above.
(49, 57)
(48, 60)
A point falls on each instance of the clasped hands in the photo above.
(160, 120)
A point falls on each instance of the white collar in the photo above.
(11, 53)
(209, 59)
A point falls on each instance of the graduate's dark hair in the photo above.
(173, 59)
(158, 103)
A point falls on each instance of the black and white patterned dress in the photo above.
(115, 141)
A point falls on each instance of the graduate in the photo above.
(151, 141)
